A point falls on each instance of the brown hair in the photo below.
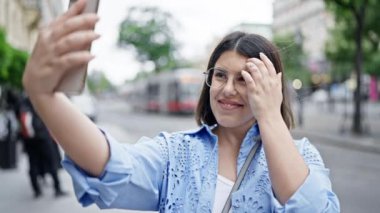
(248, 45)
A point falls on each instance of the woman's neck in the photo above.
(232, 136)
(229, 142)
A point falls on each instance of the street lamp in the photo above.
(297, 85)
(349, 87)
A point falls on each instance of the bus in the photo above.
(168, 92)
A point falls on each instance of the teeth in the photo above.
(229, 105)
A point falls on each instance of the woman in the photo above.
(189, 171)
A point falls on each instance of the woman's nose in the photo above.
(229, 88)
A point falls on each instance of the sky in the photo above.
(200, 22)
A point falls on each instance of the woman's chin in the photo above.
(233, 122)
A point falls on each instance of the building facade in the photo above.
(257, 28)
(309, 22)
(22, 18)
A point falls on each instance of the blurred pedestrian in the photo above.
(43, 154)
(8, 128)
(244, 119)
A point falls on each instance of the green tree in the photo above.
(341, 46)
(5, 56)
(293, 58)
(98, 82)
(147, 31)
(340, 51)
(16, 68)
(12, 63)
(372, 40)
(355, 39)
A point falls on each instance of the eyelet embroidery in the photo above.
(187, 166)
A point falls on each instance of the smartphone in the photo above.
(74, 82)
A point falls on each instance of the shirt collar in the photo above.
(252, 136)
(249, 140)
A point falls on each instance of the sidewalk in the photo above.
(320, 126)
(333, 127)
(16, 195)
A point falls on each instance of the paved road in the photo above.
(355, 177)
(354, 169)
(16, 193)
(354, 172)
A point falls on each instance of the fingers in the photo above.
(268, 63)
(77, 23)
(75, 42)
(265, 65)
(261, 67)
(254, 71)
(271, 69)
(263, 73)
(61, 47)
(75, 59)
(74, 10)
(249, 80)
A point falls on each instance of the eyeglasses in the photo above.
(218, 78)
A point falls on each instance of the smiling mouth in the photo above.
(229, 105)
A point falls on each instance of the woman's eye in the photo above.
(220, 75)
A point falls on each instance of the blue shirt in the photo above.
(177, 172)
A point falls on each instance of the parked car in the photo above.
(320, 96)
(340, 92)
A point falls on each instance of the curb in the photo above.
(360, 143)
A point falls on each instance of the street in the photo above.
(355, 177)
(354, 173)
(319, 59)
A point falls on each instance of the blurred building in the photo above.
(309, 22)
(257, 28)
(49, 9)
(22, 18)
(261, 29)
(20, 21)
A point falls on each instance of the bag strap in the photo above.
(251, 155)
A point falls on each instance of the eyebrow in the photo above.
(225, 71)
(221, 69)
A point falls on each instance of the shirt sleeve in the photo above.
(315, 194)
(132, 177)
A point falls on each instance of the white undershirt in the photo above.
(222, 190)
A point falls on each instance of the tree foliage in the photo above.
(293, 58)
(147, 31)
(5, 56)
(341, 47)
(12, 63)
(355, 39)
(340, 51)
(98, 82)
(16, 68)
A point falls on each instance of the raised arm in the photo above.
(287, 168)
(61, 48)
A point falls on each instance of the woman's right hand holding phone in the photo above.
(62, 47)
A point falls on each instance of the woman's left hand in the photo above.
(264, 88)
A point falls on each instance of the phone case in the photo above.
(74, 82)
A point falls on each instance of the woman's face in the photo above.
(229, 102)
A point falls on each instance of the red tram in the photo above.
(169, 92)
